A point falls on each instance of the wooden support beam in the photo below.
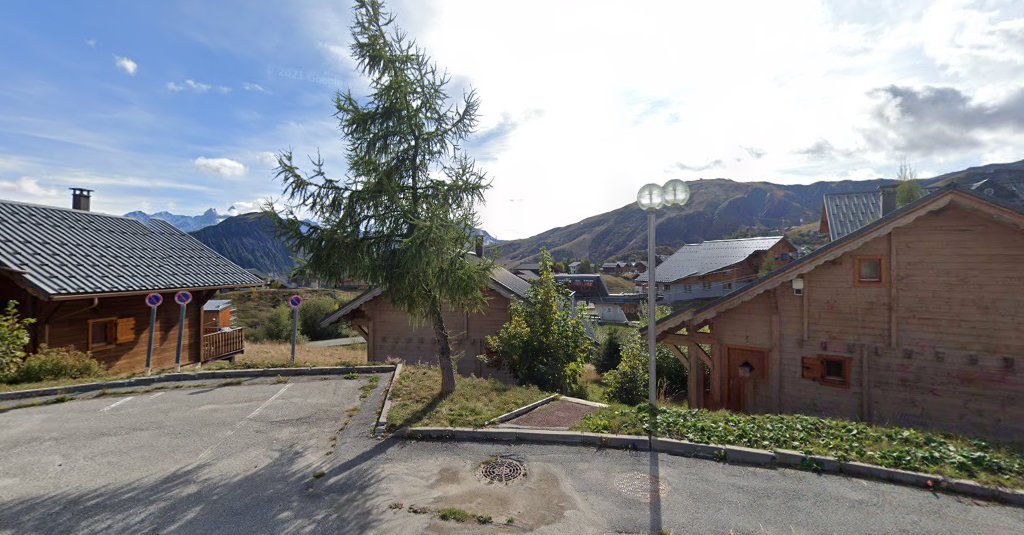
(686, 339)
(679, 355)
(717, 378)
(694, 385)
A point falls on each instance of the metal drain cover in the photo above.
(637, 485)
(502, 470)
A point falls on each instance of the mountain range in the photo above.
(718, 208)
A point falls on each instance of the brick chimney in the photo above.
(80, 198)
(888, 198)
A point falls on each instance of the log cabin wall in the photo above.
(938, 344)
(393, 334)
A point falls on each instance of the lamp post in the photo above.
(650, 198)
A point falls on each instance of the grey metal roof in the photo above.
(847, 212)
(528, 276)
(576, 263)
(214, 305)
(702, 258)
(61, 252)
(510, 282)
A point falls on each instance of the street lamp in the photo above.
(650, 198)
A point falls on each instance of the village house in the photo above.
(912, 320)
(83, 277)
(574, 267)
(391, 333)
(607, 307)
(716, 267)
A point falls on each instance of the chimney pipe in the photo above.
(888, 199)
(80, 198)
(479, 246)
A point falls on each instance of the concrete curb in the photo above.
(385, 407)
(730, 454)
(521, 410)
(193, 376)
(584, 402)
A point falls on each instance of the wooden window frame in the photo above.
(845, 361)
(111, 334)
(725, 287)
(687, 288)
(882, 274)
(705, 285)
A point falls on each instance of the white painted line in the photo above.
(158, 394)
(116, 403)
(227, 435)
(267, 402)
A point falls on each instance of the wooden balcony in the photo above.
(223, 344)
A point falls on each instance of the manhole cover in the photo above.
(502, 470)
(637, 485)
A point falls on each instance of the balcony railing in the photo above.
(223, 344)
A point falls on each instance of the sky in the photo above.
(182, 105)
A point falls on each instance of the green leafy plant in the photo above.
(610, 355)
(453, 514)
(312, 311)
(628, 382)
(52, 363)
(13, 338)
(545, 342)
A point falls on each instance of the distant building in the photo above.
(716, 267)
(591, 290)
(574, 267)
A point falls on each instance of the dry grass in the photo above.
(272, 352)
(416, 401)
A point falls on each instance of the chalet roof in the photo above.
(502, 281)
(528, 276)
(847, 212)
(213, 305)
(528, 267)
(585, 286)
(576, 263)
(61, 253)
(702, 258)
(929, 203)
(611, 264)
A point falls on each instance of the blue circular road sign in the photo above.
(294, 301)
(183, 298)
(154, 300)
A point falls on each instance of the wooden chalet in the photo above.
(391, 333)
(714, 268)
(913, 319)
(83, 277)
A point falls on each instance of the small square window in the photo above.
(869, 271)
(102, 333)
(687, 288)
(835, 371)
(727, 286)
(706, 285)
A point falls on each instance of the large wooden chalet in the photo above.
(914, 319)
(83, 277)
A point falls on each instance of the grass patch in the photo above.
(367, 389)
(416, 401)
(892, 447)
(453, 514)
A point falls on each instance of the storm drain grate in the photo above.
(502, 470)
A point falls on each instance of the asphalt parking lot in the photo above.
(268, 457)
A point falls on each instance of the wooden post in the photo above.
(695, 383)
(718, 364)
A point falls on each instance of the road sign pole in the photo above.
(295, 330)
(149, 346)
(181, 335)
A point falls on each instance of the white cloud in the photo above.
(224, 167)
(126, 65)
(190, 85)
(27, 189)
(255, 88)
(267, 159)
(91, 42)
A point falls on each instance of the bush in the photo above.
(628, 382)
(52, 363)
(13, 338)
(312, 311)
(611, 353)
(545, 342)
(276, 326)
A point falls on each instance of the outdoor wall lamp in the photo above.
(650, 198)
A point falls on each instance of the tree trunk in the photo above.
(444, 350)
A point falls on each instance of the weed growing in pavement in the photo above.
(453, 514)
(280, 380)
(419, 510)
(396, 505)
(368, 388)
(318, 474)
(484, 519)
(510, 521)
(351, 376)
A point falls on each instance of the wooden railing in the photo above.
(223, 344)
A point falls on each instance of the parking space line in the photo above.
(158, 394)
(227, 435)
(116, 403)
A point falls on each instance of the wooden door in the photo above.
(736, 381)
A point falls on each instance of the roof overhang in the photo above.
(351, 307)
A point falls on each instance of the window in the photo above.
(727, 286)
(868, 271)
(102, 333)
(705, 285)
(830, 370)
(687, 288)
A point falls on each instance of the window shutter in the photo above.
(811, 368)
(125, 330)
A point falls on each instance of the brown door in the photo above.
(744, 365)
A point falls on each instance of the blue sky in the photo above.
(180, 105)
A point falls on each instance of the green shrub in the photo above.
(545, 342)
(670, 373)
(52, 363)
(13, 338)
(627, 383)
(611, 353)
(276, 326)
(312, 311)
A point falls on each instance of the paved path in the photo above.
(243, 459)
(337, 342)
